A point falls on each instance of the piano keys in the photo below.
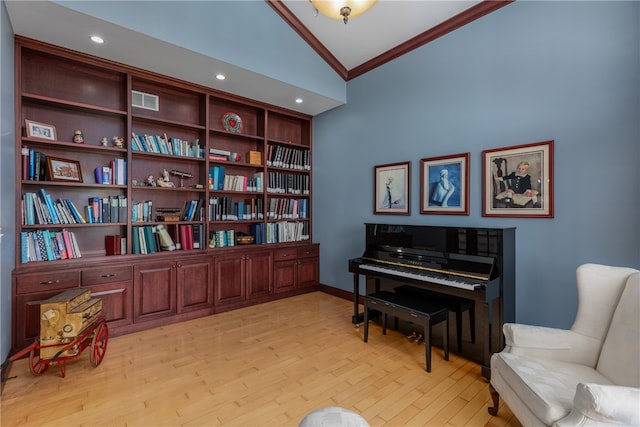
(477, 264)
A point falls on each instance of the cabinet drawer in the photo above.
(284, 254)
(308, 251)
(48, 281)
(97, 276)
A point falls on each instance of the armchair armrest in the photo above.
(598, 405)
(551, 343)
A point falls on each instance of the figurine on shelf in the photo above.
(151, 182)
(118, 141)
(165, 181)
(104, 141)
(78, 137)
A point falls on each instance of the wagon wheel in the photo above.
(99, 344)
(36, 364)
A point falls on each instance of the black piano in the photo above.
(476, 264)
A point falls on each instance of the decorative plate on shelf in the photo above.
(232, 122)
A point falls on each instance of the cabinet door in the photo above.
(195, 284)
(117, 302)
(229, 279)
(308, 272)
(259, 276)
(154, 290)
(284, 276)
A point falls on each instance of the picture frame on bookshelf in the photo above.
(40, 130)
(518, 181)
(64, 170)
(444, 185)
(392, 189)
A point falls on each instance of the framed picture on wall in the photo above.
(518, 181)
(444, 185)
(392, 189)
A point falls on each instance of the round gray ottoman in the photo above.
(333, 416)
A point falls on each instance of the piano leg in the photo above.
(357, 317)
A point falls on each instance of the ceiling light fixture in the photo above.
(97, 39)
(220, 76)
(343, 9)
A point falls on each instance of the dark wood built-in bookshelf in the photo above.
(167, 251)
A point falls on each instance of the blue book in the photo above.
(50, 206)
(32, 163)
(74, 211)
(24, 247)
(221, 172)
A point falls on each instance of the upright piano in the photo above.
(477, 264)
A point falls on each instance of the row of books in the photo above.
(164, 145)
(106, 209)
(222, 238)
(40, 208)
(34, 165)
(221, 155)
(286, 231)
(150, 239)
(226, 209)
(48, 245)
(287, 157)
(287, 208)
(219, 180)
(114, 174)
(287, 183)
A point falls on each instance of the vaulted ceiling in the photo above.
(388, 30)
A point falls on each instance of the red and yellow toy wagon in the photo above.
(69, 323)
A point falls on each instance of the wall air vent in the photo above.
(145, 100)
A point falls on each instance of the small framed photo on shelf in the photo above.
(40, 130)
(392, 189)
(64, 170)
(518, 181)
(444, 185)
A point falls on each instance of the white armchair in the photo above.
(588, 375)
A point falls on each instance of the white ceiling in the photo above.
(388, 24)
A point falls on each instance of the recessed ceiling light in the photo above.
(298, 100)
(97, 39)
(220, 76)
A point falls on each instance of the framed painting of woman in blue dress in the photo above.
(392, 189)
(445, 185)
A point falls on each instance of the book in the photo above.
(135, 240)
(66, 237)
(24, 247)
(113, 244)
(149, 239)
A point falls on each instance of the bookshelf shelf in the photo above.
(203, 270)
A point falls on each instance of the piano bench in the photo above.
(456, 304)
(425, 312)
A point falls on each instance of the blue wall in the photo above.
(7, 180)
(532, 71)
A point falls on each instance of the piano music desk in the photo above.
(425, 312)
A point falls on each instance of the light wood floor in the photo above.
(266, 365)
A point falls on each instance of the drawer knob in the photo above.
(50, 282)
(108, 275)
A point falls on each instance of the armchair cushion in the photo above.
(546, 386)
(551, 343)
(596, 404)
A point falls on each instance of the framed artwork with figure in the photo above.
(518, 181)
(392, 189)
(444, 185)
